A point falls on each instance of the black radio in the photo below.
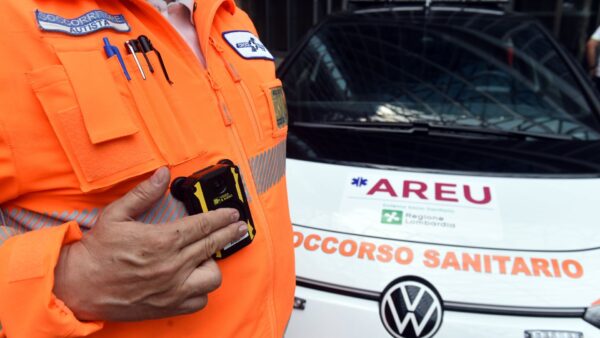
(214, 187)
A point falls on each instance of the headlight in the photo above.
(592, 314)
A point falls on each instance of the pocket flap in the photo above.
(114, 153)
(104, 114)
(49, 85)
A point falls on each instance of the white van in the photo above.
(444, 178)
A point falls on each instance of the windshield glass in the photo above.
(482, 71)
(445, 69)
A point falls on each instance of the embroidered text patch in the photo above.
(88, 23)
(247, 45)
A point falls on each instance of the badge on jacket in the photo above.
(280, 107)
(247, 45)
(87, 23)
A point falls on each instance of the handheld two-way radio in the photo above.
(214, 187)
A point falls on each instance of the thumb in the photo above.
(140, 198)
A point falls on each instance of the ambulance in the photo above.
(444, 177)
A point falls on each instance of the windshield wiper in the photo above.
(435, 130)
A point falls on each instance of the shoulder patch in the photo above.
(88, 23)
(247, 45)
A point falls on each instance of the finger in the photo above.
(140, 198)
(192, 305)
(204, 279)
(203, 249)
(197, 227)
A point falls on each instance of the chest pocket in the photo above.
(97, 130)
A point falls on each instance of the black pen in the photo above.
(144, 48)
(146, 45)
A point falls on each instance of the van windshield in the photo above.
(407, 80)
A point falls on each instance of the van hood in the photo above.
(521, 241)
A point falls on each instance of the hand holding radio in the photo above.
(134, 271)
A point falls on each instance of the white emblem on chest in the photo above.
(247, 45)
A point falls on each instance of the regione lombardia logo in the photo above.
(392, 217)
(410, 307)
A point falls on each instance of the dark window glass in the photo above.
(469, 87)
(486, 72)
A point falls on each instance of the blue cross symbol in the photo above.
(359, 181)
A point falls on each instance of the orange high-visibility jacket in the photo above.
(76, 134)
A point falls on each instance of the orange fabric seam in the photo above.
(9, 143)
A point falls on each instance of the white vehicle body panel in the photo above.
(339, 316)
(493, 241)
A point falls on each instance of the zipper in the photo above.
(199, 69)
(227, 120)
(253, 110)
(241, 87)
(245, 166)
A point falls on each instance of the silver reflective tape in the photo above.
(257, 172)
(280, 162)
(149, 214)
(11, 218)
(268, 164)
(161, 210)
(166, 209)
(16, 221)
(26, 218)
(36, 221)
(248, 196)
(64, 215)
(173, 210)
(82, 217)
(6, 232)
(170, 205)
(268, 168)
(274, 177)
(73, 215)
(180, 212)
(89, 218)
(21, 220)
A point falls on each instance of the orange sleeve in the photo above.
(28, 308)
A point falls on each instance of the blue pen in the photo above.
(111, 51)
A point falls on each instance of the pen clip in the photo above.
(146, 46)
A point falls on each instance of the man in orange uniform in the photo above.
(93, 244)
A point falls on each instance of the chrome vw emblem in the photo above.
(411, 308)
